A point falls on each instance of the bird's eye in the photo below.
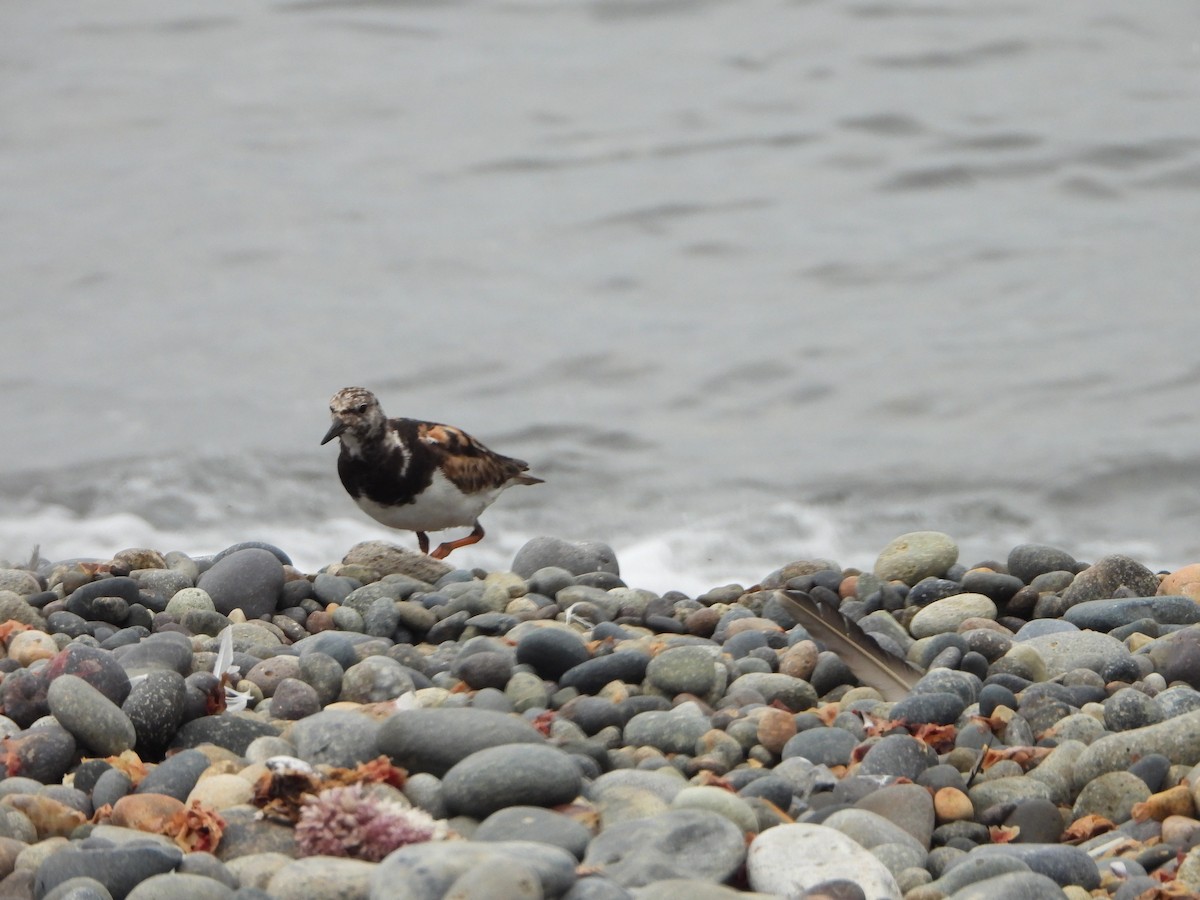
(361, 408)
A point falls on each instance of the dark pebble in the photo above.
(1038, 821)
(993, 696)
(510, 775)
(823, 746)
(120, 869)
(283, 558)
(942, 708)
(155, 706)
(1153, 769)
(589, 677)
(1027, 561)
(999, 586)
(110, 787)
(336, 737)
(176, 775)
(898, 755)
(434, 740)
(489, 668)
(44, 753)
(294, 699)
(98, 668)
(929, 589)
(575, 557)
(23, 696)
(247, 579)
(533, 823)
(228, 730)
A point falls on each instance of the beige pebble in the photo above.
(28, 647)
(221, 791)
(751, 623)
(799, 660)
(952, 805)
(145, 812)
(1180, 831)
(775, 728)
(1185, 581)
(50, 818)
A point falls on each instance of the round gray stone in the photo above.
(250, 580)
(683, 843)
(916, 555)
(434, 740)
(95, 721)
(577, 557)
(510, 775)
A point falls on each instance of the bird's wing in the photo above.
(467, 462)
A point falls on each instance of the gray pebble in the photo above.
(510, 775)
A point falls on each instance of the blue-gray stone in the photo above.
(1105, 615)
(510, 775)
(434, 740)
(119, 869)
(249, 579)
(683, 843)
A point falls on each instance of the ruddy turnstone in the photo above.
(419, 476)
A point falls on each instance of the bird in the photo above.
(416, 475)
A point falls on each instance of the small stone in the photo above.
(95, 721)
(155, 709)
(180, 886)
(434, 740)
(533, 823)
(1185, 581)
(1111, 796)
(229, 730)
(673, 731)
(1028, 561)
(27, 647)
(442, 863)
(221, 791)
(720, 801)
(119, 869)
(146, 812)
(944, 616)
(1106, 576)
(682, 843)
(175, 776)
(329, 878)
(337, 738)
(388, 559)
(790, 859)
(578, 558)
(510, 775)
(294, 699)
(628, 666)
(43, 753)
(684, 670)
(916, 555)
(250, 580)
(952, 805)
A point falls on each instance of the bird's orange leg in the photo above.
(445, 549)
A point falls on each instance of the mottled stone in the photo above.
(916, 555)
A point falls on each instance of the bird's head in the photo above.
(356, 414)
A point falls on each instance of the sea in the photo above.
(744, 282)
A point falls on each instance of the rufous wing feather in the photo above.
(892, 676)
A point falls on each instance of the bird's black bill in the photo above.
(334, 430)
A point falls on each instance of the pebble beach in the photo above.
(395, 728)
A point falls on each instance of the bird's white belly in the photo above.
(441, 505)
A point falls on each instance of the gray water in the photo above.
(744, 282)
